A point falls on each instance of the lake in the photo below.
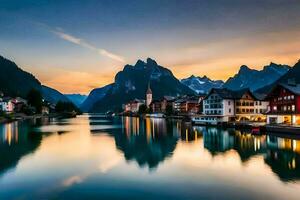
(93, 157)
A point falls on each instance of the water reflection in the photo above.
(68, 156)
(16, 140)
(148, 142)
(151, 141)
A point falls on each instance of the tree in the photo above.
(62, 106)
(169, 110)
(35, 100)
(142, 109)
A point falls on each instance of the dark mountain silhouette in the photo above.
(94, 96)
(255, 79)
(52, 95)
(201, 85)
(14, 81)
(132, 82)
(292, 75)
(76, 99)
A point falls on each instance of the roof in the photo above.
(225, 93)
(169, 98)
(6, 99)
(293, 88)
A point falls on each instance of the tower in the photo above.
(148, 96)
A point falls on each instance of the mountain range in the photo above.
(255, 79)
(201, 85)
(292, 76)
(133, 80)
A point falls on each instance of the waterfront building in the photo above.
(19, 104)
(7, 105)
(284, 104)
(156, 106)
(218, 106)
(167, 101)
(249, 107)
(133, 106)
(186, 105)
(224, 105)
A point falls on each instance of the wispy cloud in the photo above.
(78, 41)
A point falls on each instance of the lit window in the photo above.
(293, 108)
(275, 108)
(292, 97)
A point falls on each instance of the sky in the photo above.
(75, 46)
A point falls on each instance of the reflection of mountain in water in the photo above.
(16, 141)
(148, 142)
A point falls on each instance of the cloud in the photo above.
(72, 180)
(78, 41)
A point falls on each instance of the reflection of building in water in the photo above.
(9, 133)
(15, 142)
(246, 145)
(148, 141)
(283, 143)
(217, 140)
(283, 157)
(189, 133)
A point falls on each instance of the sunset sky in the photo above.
(75, 46)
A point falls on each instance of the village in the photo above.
(279, 110)
(17, 108)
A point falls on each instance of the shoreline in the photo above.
(22, 117)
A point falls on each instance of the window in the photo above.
(293, 108)
(229, 110)
(292, 96)
(284, 108)
(260, 103)
(228, 102)
(275, 108)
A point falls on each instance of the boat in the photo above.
(155, 115)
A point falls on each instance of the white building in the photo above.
(223, 105)
(218, 107)
(7, 105)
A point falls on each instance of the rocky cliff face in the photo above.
(201, 85)
(132, 83)
(255, 79)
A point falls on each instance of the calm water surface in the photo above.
(95, 157)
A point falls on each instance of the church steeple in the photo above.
(148, 96)
(149, 91)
